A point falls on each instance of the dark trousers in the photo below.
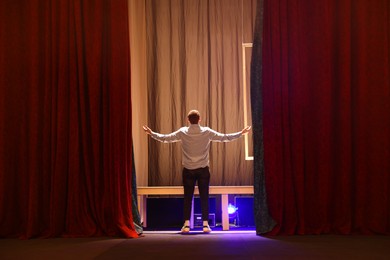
(190, 177)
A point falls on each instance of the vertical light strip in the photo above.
(245, 94)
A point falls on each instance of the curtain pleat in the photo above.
(65, 136)
(264, 221)
(326, 95)
(194, 59)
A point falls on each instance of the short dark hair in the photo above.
(193, 116)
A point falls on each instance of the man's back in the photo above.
(195, 143)
(195, 146)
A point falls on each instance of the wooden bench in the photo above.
(224, 191)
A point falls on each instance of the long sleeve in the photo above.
(219, 137)
(195, 143)
(166, 138)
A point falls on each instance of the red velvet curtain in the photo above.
(65, 113)
(326, 95)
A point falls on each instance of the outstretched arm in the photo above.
(169, 138)
(219, 137)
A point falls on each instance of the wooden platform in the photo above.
(224, 191)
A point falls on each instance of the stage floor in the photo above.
(196, 245)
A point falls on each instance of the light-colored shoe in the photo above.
(206, 229)
(185, 229)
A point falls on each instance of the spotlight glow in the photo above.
(232, 209)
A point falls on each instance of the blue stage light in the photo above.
(232, 209)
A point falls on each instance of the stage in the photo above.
(196, 245)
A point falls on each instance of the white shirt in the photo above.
(195, 143)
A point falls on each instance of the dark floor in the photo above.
(196, 245)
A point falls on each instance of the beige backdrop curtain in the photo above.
(137, 28)
(193, 60)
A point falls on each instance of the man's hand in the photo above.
(147, 129)
(246, 130)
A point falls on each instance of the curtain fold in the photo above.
(65, 137)
(326, 96)
(139, 77)
(194, 61)
(263, 220)
(134, 200)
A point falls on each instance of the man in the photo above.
(195, 147)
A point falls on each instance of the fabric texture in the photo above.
(134, 200)
(264, 222)
(65, 113)
(194, 61)
(325, 106)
